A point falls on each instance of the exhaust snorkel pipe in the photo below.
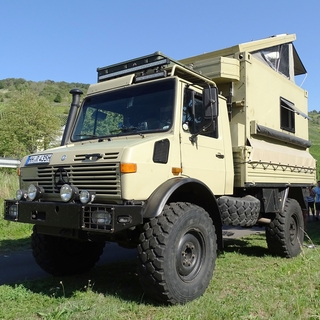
(75, 104)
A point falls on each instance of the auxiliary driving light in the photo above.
(86, 196)
(34, 192)
(13, 211)
(68, 193)
(101, 218)
(21, 194)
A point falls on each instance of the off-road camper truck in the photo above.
(161, 153)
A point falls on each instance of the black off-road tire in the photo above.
(177, 254)
(285, 233)
(239, 211)
(62, 256)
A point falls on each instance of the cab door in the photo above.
(202, 147)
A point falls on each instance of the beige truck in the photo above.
(160, 154)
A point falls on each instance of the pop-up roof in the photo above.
(277, 51)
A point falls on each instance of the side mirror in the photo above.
(210, 103)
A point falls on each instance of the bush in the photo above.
(28, 123)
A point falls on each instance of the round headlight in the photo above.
(21, 194)
(34, 192)
(68, 193)
(86, 196)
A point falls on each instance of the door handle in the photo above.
(220, 155)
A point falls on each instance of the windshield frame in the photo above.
(160, 93)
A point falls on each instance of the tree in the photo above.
(28, 123)
(58, 98)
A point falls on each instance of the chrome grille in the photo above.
(104, 179)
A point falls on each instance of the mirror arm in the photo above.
(193, 137)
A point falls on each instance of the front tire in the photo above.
(285, 233)
(177, 254)
(62, 256)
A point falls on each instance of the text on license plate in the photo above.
(39, 158)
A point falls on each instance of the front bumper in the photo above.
(73, 215)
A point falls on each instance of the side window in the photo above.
(187, 113)
(287, 114)
(193, 116)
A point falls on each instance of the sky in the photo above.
(66, 40)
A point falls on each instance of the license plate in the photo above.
(39, 158)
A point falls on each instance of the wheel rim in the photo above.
(189, 255)
(293, 231)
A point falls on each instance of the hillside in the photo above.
(57, 93)
(314, 134)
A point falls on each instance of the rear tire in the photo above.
(285, 234)
(177, 254)
(62, 256)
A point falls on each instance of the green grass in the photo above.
(248, 283)
(13, 236)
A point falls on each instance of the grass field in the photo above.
(248, 283)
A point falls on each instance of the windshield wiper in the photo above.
(128, 129)
(131, 129)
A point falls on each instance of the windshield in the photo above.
(141, 108)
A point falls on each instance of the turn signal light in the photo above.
(176, 171)
(128, 167)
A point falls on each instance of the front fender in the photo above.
(159, 197)
(184, 190)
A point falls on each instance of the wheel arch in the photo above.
(187, 190)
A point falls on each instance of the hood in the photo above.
(90, 151)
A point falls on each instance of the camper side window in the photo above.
(287, 113)
(276, 57)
